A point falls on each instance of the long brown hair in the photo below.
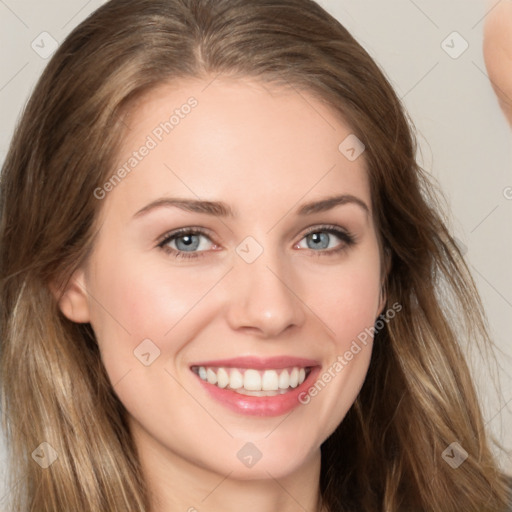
(418, 396)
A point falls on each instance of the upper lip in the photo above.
(260, 363)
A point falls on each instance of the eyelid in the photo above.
(326, 227)
(195, 230)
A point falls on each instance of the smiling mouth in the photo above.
(252, 382)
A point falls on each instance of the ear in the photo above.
(73, 298)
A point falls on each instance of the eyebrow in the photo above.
(220, 209)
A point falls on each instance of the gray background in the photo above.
(464, 139)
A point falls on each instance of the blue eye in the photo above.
(187, 241)
(321, 236)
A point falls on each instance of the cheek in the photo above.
(137, 300)
(349, 298)
(349, 306)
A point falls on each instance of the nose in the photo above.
(262, 298)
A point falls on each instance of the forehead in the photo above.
(239, 140)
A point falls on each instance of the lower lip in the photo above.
(261, 405)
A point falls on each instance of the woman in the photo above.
(225, 280)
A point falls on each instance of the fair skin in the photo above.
(498, 52)
(264, 152)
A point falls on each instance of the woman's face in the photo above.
(274, 286)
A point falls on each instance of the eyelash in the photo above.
(346, 237)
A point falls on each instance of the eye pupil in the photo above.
(187, 241)
(319, 238)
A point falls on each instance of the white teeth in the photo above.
(236, 379)
(284, 380)
(222, 378)
(243, 391)
(254, 382)
(270, 381)
(211, 376)
(294, 378)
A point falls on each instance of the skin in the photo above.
(264, 151)
(498, 53)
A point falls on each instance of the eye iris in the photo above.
(320, 237)
(189, 243)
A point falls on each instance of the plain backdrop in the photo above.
(431, 51)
